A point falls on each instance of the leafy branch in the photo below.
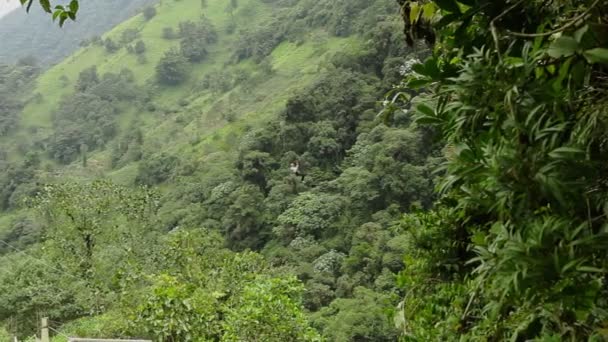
(569, 24)
(60, 12)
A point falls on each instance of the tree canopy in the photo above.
(231, 245)
(293, 203)
(516, 246)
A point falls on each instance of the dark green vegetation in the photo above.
(232, 246)
(14, 79)
(516, 247)
(35, 34)
(16, 179)
(469, 205)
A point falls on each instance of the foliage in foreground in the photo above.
(517, 246)
(102, 256)
(330, 229)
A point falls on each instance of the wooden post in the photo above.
(44, 332)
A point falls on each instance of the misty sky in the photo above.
(7, 6)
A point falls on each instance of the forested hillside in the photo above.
(148, 182)
(312, 170)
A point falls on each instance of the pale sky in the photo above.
(7, 6)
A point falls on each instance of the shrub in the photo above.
(140, 47)
(169, 33)
(149, 12)
(110, 45)
(172, 69)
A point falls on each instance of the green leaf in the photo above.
(415, 13)
(46, 5)
(418, 83)
(446, 20)
(578, 72)
(570, 265)
(419, 68)
(429, 68)
(460, 34)
(597, 55)
(424, 109)
(429, 10)
(448, 5)
(590, 269)
(479, 238)
(563, 73)
(74, 6)
(63, 17)
(578, 34)
(427, 120)
(563, 46)
(514, 62)
(29, 4)
(565, 152)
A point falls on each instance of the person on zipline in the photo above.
(295, 169)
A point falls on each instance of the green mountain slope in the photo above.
(238, 179)
(193, 119)
(290, 61)
(210, 103)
